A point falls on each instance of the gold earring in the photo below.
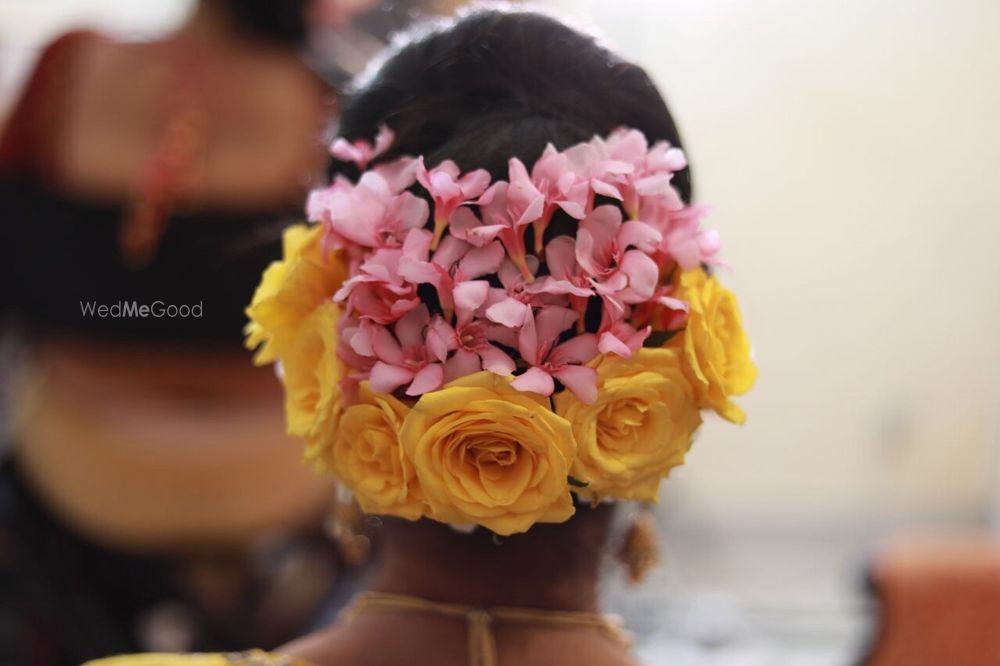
(640, 549)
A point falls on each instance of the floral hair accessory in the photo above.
(474, 351)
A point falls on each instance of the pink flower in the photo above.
(554, 180)
(652, 168)
(684, 240)
(617, 336)
(592, 163)
(537, 343)
(453, 263)
(623, 167)
(368, 214)
(472, 338)
(664, 311)
(400, 173)
(511, 303)
(403, 356)
(359, 365)
(361, 152)
(618, 274)
(506, 211)
(565, 277)
(377, 292)
(450, 190)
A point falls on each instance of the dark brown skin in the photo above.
(551, 566)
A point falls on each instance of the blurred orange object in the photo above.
(940, 602)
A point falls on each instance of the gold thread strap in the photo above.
(482, 643)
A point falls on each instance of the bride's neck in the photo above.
(551, 566)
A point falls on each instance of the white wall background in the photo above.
(852, 152)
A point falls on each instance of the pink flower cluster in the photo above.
(528, 319)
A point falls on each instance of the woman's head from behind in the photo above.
(501, 347)
(500, 84)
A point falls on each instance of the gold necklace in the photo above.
(482, 643)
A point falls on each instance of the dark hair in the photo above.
(279, 21)
(498, 84)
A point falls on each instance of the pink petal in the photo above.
(580, 380)
(527, 341)
(450, 251)
(386, 347)
(469, 296)
(496, 361)
(639, 235)
(387, 378)
(560, 257)
(618, 167)
(534, 380)
(481, 261)
(419, 272)
(609, 344)
(410, 329)
(642, 272)
(584, 249)
(360, 340)
(400, 173)
(417, 244)
(709, 242)
(574, 209)
(482, 235)
(429, 378)
(635, 340)
(510, 276)
(612, 284)
(441, 339)
(604, 222)
(529, 203)
(495, 193)
(474, 183)
(581, 349)
(503, 335)
(686, 252)
(551, 321)
(604, 189)
(383, 140)
(654, 185)
(517, 172)
(463, 363)
(673, 303)
(548, 285)
(462, 221)
(442, 185)
(509, 312)
(345, 151)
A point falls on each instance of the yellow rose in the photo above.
(289, 290)
(365, 454)
(715, 346)
(311, 373)
(488, 454)
(639, 428)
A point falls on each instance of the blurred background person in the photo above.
(148, 496)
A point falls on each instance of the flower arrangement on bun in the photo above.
(448, 351)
